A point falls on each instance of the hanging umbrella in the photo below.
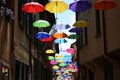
(41, 23)
(71, 50)
(75, 30)
(80, 24)
(49, 51)
(61, 26)
(42, 35)
(33, 7)
(56, 6)
(59, 35)
(73, 36)
(104, 4)
(55, 67)
(53, 62)
(60, 40)
(62, 64)
(51, 58)
(80, 6)
(52, 31)
(49, 39)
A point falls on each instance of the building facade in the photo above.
(99, 44)
(20, 58)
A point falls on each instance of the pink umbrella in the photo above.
(71, 50)
(53, 62)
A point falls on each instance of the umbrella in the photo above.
(55, 67)
(56, 6)
(53, 62)
(62, 64)
(42, 35)
(80, 24)
(33, 7)
(104, 4)
(73, 36)
(51, 58)
(47, 39)
(59, 35)
(75, 30)
(60, 40)
(80, 6)
(61, 26)
(58, 56)
(52, 31)
(41, 23)
(71, 50)
(49, 51)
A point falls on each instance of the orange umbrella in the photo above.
(104, 4)
(59, 35)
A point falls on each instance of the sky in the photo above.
(66, 17)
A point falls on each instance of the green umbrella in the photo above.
(73, 36)
(51, 58)
(41, 23)
(62, 64)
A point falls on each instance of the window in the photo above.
(98, 31)
(91, 74)
(108, 70)
(21, 71)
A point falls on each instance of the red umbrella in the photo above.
(33, 7)
(104, 4)
(47, 39)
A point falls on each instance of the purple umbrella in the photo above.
(80, 6)
(75, 30)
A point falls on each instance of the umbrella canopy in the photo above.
(49, 39)
(80, 24)
(61, 26)
(80, 6)
(41, 23)
(104, 4)
(62, 64)
(60, 40)
(53, 62)
(75, 30)
(59, 35)
(55, 67)
(49, 51)
(56, 6)
(71, 50)
(73, 36)
(33, 7)
(52, 31)
(51, 58)
(42, 35)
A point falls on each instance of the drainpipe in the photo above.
(104, 38)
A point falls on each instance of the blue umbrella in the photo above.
(75, 30)
(42, 35)
(60, 40)
(80, 6)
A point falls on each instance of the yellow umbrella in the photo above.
(55, 67)
(56, 6)
(49, 51)
(80, 24)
